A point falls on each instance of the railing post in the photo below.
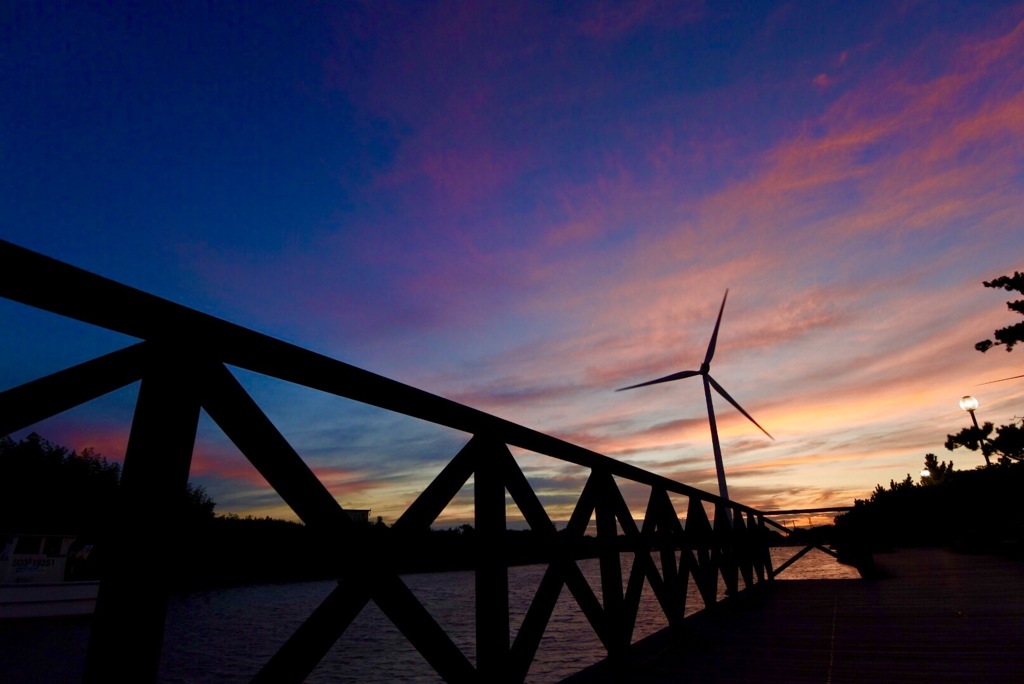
(128, 627)
(611, 570)
(663, 514)
(724, 551)
(764, 568)
(746, 540)
(492, 612)
(700, 537)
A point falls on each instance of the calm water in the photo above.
(225, 635)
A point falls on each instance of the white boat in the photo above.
(35, 580)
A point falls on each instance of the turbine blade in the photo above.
(714, 336)
(721, 390)
(667, 378)
(1003, 379)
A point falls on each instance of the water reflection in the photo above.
(373, 650)
(226, 635)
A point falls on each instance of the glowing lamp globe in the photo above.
(969, 403)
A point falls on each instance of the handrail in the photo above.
(800, 511)
(182, 362)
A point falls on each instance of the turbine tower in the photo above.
(709, 382)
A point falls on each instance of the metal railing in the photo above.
(182, 362)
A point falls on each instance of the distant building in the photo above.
(359, 515)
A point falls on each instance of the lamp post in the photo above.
(970, 404)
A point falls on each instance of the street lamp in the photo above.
(970, 404)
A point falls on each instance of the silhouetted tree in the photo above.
(1012, 334)
(973, 438)
(48, 488)
(1007, 445)
(938, 473)
(198, 504)
(894, 487)
(1009, 442)
(51, 489)
(944, 508)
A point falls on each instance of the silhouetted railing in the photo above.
(813, 544)
(182, 361)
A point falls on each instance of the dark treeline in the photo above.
(228, 550)
(50, 489)
(971, 510)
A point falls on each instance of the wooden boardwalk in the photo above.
(936, 616)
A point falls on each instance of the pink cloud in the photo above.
(902, 145)
(343, 481)
(611, 19)
(449, 81)
(110, 442)
(232, 467)
(822, 81)
(985, 54)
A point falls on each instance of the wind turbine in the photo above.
(1003, 379)
(709, 382)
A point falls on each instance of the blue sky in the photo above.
(523, 207)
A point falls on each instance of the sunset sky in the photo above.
(523, 206)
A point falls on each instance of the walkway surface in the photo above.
(937, 616)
